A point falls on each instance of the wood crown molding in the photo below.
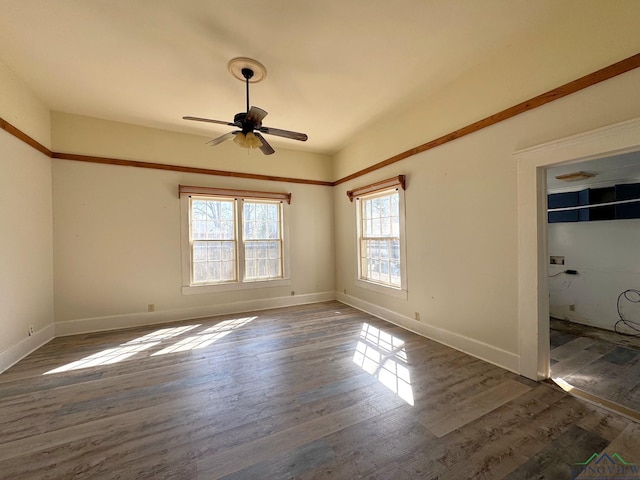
(606, 73)
(618, 68)
(179, 168)
(20, 135)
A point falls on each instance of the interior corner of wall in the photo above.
(22, 108)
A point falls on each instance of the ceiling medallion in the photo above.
(236, 65)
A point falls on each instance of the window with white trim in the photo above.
(380, 238)
(380, 229)
(233, 241)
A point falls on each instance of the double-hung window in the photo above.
(380, 230)
(233, 239)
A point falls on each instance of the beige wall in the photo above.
(117, 244)
(22, 108)
(103, 138)
(462, 224)
(117, 229)
(26, 253)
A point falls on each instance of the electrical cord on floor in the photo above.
(568, 272)
(632, 295)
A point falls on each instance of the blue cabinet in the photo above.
(561, 200)
(592, 197)
(629, 191)
(599, 195)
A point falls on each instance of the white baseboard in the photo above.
(17, 352)
(99, 324)
(467, 345)
(489, 353)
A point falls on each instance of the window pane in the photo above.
(273, 229)
(263, 260)
(199, 251)
(228, 270)
(199, 210)
(228, 250)
(250, 269)
(262, 268)
(385, 226)
(213, 252)
(213, 271)
(199, 272)
(274, 268)
(226, 213)
(199, 230)
(261, 220)
(380, 242)
(213, 261)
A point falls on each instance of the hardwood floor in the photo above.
(311, 392)
(600, 363)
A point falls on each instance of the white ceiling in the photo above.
(607, 172)
(334, 66)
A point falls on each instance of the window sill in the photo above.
(227, 287)
(376, 287)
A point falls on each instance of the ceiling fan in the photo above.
(249, 123)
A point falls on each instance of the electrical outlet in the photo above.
(31, 331)
(292, 293)
(151, 307)
(417, 315)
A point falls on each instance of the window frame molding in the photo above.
(185, 193)
(379, 188)
(399, 182)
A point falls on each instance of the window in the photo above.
(380, 238)
(380, 227)
(232, 241)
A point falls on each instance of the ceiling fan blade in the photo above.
(284, 133)
(221, 139)
(208, 120)
(265, 148)
(255, 115)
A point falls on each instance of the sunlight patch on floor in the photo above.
(206, 337)
(562, 384)
(105, 357)
(127, 350)
(384, 356)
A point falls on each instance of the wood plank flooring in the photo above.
(604, 365)
(311, 392)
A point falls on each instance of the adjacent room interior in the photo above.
(389, 239)
(593, 296)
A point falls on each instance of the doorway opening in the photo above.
(533, 254)
(593, 271)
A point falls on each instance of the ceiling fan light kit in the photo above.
(247, 141)
(250, 122)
